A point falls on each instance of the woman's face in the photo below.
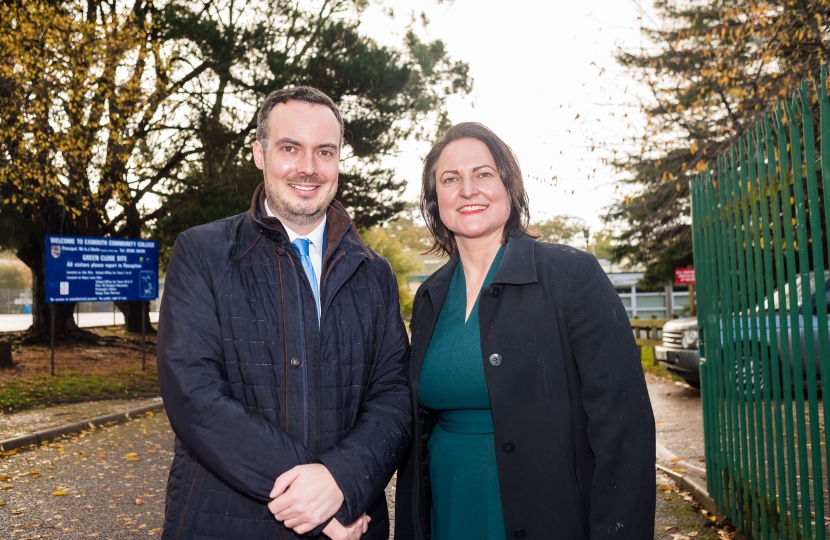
(472, 199)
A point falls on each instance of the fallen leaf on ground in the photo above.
(59, 492)
(139, 500)
(133, 459)
(675, 459)
(4, 478)
(118, 496)
(7, 486)
(669, 529)
(131, 454)
(665, 487)
(678, 470)
(102, 456)
(151, 451)
(2, 503)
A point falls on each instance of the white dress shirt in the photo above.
(315, 240)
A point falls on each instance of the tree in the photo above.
(562, 230)
(402, 261)
(119, 118)
(386, 95)
(711, 72)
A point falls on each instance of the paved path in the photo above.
(107, 483)
(678, 414)
(42, 417)
(18, 322)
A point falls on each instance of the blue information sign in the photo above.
(88, 269)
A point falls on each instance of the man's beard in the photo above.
(294, 214)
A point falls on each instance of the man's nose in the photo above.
(306, 164)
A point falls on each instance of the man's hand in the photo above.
(336, 531)
(305, 497)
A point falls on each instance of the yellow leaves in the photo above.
(60, 492)
(693, 148)
(677, 187)
(132, 456)
(665, 488)
(6, 486)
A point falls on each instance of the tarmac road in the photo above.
(113, 478)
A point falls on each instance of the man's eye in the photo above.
(325, 153)
(287, 148)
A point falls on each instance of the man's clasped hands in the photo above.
(306, 496)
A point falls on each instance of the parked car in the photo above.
(680, 350)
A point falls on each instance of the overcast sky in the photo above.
(537, 64)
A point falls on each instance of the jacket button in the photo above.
(494, 292)
(281, 252)
(519, 533)
(296, 363)
(508, 447)
(495, 360)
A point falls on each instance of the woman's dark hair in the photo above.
(507, 166)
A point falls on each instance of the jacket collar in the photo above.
(340, 228)
(518, 267)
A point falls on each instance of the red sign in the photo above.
(684, 276)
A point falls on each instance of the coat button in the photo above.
(281, 252)
(508, 447)
(519, 533)
(494, 292)
(495, 360)
(296, 363)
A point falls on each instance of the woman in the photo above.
(533, 415)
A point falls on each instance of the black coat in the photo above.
(253, 388)
(573, 425)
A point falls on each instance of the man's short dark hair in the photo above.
(307, 94)
(443, 239)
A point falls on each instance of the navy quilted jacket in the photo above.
(253, 388)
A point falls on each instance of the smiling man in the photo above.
(282, 355)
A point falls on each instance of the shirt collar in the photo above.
(315, 237)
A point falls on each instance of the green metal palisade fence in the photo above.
(759, 219)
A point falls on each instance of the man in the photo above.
(282, 356)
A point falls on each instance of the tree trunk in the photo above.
(132, 316)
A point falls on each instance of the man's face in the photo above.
(300, 160)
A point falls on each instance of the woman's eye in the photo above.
(486, 175)
(449, 179)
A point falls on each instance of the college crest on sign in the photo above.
(56, 251)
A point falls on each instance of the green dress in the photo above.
(466, 502)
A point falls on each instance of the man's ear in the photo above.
(259, 155)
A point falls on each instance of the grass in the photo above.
(73, 386)
(655, 368)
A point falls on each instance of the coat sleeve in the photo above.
(364, 461)
(239, 446)
(621, 428)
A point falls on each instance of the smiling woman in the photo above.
(518, 346)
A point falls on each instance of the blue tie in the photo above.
(301, 246)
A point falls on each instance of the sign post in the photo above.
(90, 269)
(686, 276)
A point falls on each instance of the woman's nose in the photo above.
(468, 187)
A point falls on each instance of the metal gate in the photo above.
(759, 219)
